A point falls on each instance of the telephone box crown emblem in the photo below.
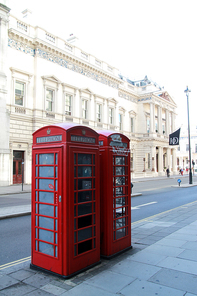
(48, 131)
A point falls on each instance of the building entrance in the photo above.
(18, 157)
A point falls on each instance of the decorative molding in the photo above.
(21, 46)
(126, 96)
(144, 99)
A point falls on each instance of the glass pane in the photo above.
(119, 212)
(46, 197)
(120, 160)
(46, 171)
(46, 235)
(84, 246)
(120, 181)
(84, 234)
(84, 171)
(84, 184)
(84, 209)
(120, 202)
(47, 158)
(46, 184)
(46, 248)
(19, 168)
(120, 170)
(84, 196)
(84, 158)
(46, 223)
(120, 233)
(120, 191)
(120, 223)
(46, 210)
(84, 221)
(14, 168)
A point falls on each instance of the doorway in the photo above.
(18, 158)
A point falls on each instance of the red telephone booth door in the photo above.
(46, 209)
(85, 215)
(18, 157)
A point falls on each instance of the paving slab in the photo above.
(135, 269)
(38, 280)
(176, 279)
(171, 242)
(87, 290)
(18, 289)
(106, 278)
(6, 281)
(147, 257)
(179, 264)
(189, 255)
(53, 289)
(144, 288)
(166, 251)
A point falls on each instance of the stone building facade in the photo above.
(45, 79)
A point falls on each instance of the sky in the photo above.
(139, 37)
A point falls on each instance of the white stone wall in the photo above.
(41, 60)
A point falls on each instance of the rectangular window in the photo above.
(98, 112)
(156, 126)
(68, 105)
(148, 125)
(85, 109)
(19, 93)
(147, 159)
(132, 126)
(111, 111)
(195, 148)
(187, 147)
(120, 122)
(49, 99)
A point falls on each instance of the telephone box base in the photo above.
(34, 267)
(116, 254)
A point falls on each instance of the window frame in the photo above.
(99, 112)
(120, 121)
(69, 106)
(84, 105)
(24, 94)
(111, 115)
(47, 100)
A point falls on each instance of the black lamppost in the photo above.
(190, 170)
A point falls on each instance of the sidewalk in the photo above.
(163, 262)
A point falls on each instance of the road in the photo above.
(157, 196)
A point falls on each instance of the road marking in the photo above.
(156, 215)
(10, 264)
(143, 205)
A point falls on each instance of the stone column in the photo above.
(152, 117)
(159, 115)
(77, 108)
(160, 160)
(5, 165)
(173, 121)
(92, 108)
(167, 123)
(168, 165)
(174, 161)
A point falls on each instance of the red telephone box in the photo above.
(65, 199)
(115, 193)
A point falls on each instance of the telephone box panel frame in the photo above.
(115, 193)
(73, 141)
